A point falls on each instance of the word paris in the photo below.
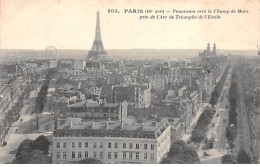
(177, 11)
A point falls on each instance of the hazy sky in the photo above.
(70, 24)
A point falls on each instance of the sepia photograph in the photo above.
(129, 82)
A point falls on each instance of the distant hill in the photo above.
(139, 54)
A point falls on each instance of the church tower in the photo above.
(214, 49)
(97, 51)
(208, 49)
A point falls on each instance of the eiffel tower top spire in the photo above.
(98, 33)
(97, 51)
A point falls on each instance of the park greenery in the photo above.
(180, 153)
(199, 132)
(33, 151)
(228, 159)
(218, 88)
(41, 98)
(243, 157)
(231, 130)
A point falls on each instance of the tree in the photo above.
(38, 157)
(197, 136)
(243, 157)
(180, 153)
(228, 159)
(191, 156)
(90, 161)
(23, 152)
(201, 128)
(177, 147)
(231, 133)
(41, 143)
(205, 95)
(167, 161)
(214, 98)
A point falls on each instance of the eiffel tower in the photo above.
(97, 51)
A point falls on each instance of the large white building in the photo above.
(111, 142)
(142, 95)
(174, 75)
(158, 82)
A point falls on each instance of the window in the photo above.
(145, 146)
(64, 155)
(124, 145)
(109, 145)
(115, 145)
(152, 157)
(79, 154)
(86, 144)
(152, 147)
(79, 145)
(137, 156)
(58, 155)
(95, 145)
(124, 155)
(115, 155)
(101, 155)
(109, 155)
(58, 145)
(73, 144)
(137, 146)
(94, 154)
(73, 154)
(130, 155)
(130, 145)
(64, 144)
(101, 145)
(145, 156)
(86, 154)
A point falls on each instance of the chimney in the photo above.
(143, 126)
(121, 112)
(92, 123)
(107, 125)
(71, 124)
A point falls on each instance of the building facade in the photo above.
(159, 82)
(85, 110)
(111, 143)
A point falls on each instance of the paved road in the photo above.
(13, 139)
(219, 130)
(243, 140)
(222, 121)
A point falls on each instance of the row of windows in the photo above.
(101, 145)
(115, 155)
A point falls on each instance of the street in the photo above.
(14, 138)
(243, 140)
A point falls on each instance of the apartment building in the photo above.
(159, 82)
(111, 142)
